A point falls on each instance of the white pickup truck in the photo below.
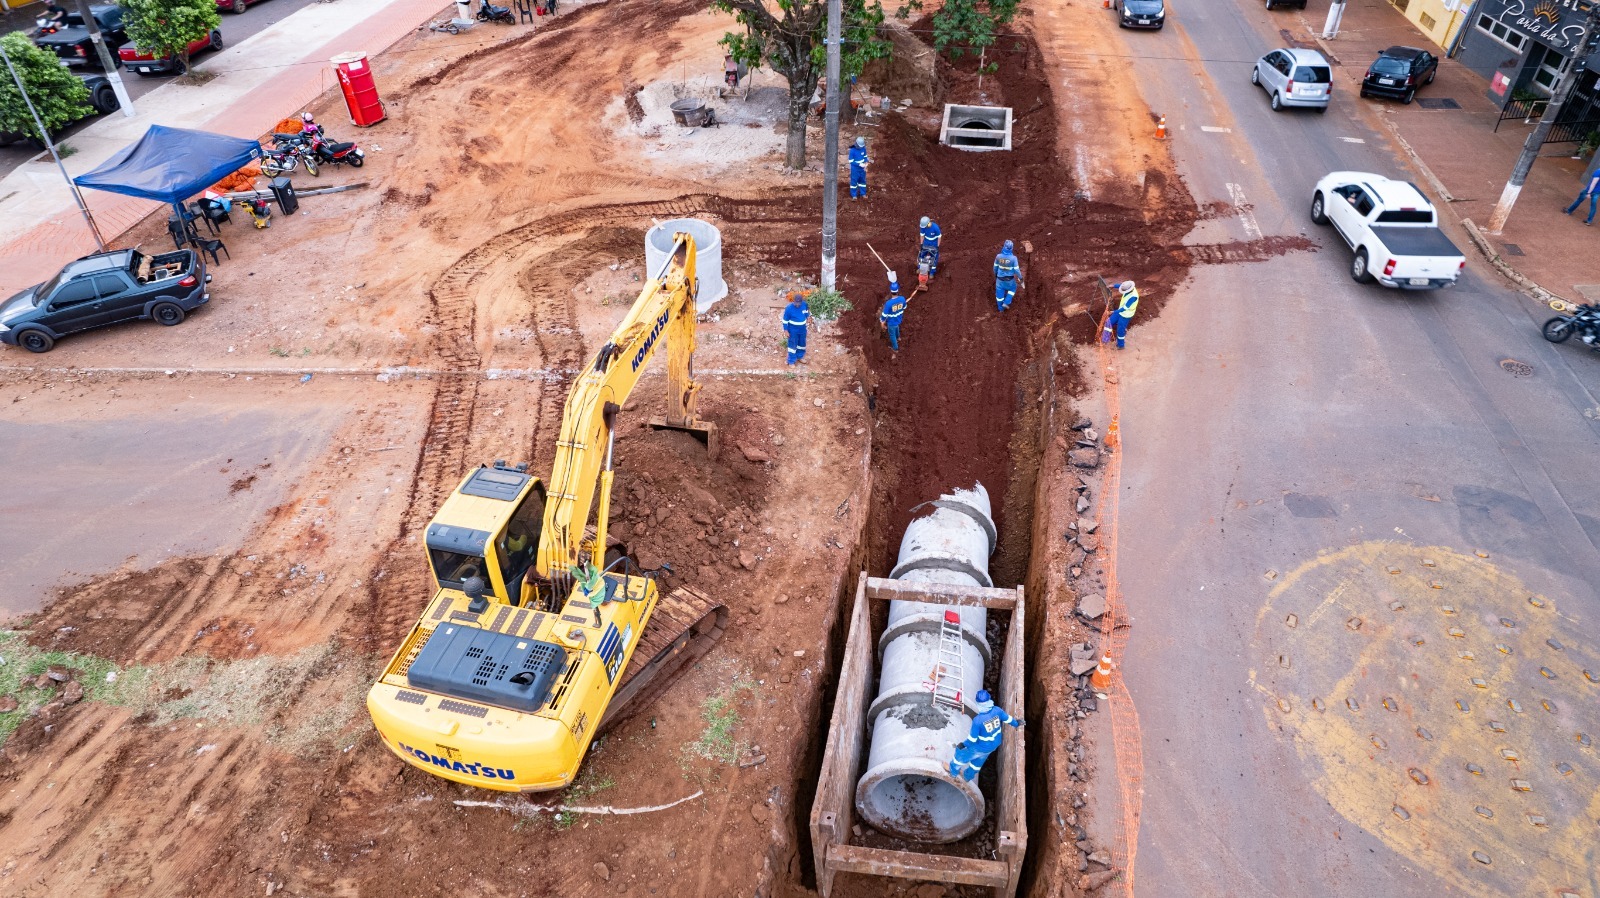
(1393, 229)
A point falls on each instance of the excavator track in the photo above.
(684, 626)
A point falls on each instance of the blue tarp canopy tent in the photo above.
(170, 165)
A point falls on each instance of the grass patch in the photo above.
(721, 714)
(260, 691)
(827, 304)
(20, 663)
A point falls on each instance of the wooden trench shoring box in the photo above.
(833, 814)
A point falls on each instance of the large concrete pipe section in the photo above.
(907, 790)
(708, 256)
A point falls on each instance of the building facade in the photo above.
(1440, 20)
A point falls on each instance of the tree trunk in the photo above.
(799, 112)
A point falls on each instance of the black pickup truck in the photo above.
(72, 45)
(105, 288)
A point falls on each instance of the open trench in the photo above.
(978, 395)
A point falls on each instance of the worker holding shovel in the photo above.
(1127, 304)
(982, 739)
(892, 313)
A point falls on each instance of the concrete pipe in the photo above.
(907, 790)
(708, 256)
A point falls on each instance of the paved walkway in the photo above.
(248, 96)
(1469, 162)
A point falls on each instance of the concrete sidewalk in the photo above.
(1466, 163)
(260, 81)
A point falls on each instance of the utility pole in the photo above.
(1570, 72)
(830, 154)
(44, 134)
(107, 61)
(1330, 28)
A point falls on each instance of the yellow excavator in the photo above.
(525, 653)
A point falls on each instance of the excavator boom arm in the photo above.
(665, 310)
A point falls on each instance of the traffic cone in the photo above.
(1113, 435)
(1161, 128)
(1101, 678)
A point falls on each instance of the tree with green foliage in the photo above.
(792, 43)
(57, 94)
(167, 27)
(965, 26)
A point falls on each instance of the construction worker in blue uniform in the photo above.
(1127, 304)
(982, 739)
(796, 315)
(858, 169)
(928, 250)
(893, 312)
(1007, 277)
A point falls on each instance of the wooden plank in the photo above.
(833, 811)
(906, 865)
(1011, 819)
(940, 593)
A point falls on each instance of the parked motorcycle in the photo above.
(287, 155)
(1583, 320)
(488, 12)
(330, 152)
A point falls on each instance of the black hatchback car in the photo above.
(1141, 13)
(105, 288)
(1398, 72)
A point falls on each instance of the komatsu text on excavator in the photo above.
(523, 655)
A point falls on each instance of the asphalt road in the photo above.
(234, 28)
(1306, 717)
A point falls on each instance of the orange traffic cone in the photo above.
(1105, 4)
(1113, 435)
(1161, 129)
(1101, 678)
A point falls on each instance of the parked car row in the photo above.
(71, 44)
(1296, 77)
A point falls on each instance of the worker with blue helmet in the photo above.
(982, 739)
(1007, 277)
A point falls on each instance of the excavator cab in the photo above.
(488, 528)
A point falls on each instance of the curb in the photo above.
(1493, 258)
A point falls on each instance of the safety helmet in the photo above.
(1126, 286)
(894, 286)
(982, 696)
(305, 116)
(1006, 248)
(861, 142)
(926, 221)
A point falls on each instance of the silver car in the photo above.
(1294, 78)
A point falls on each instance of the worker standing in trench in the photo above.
(982, 739)
(892, 313)
(858, 169)
(928, 249)
(1007, 277)
(796, 315)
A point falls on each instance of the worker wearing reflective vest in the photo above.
(983, 738)
(796, 315)
(928, 249)
(858, 169)
(893, 312)
(1007, 274)
(1126, 306)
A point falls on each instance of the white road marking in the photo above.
(1246, 217)
(1213, 129)
(1352, 140)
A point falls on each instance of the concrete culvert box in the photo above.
(978, 128)
(658, 243)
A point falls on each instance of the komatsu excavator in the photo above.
(524, 654)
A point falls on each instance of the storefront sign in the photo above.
(1556, 23)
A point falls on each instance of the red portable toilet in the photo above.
(360, 92)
